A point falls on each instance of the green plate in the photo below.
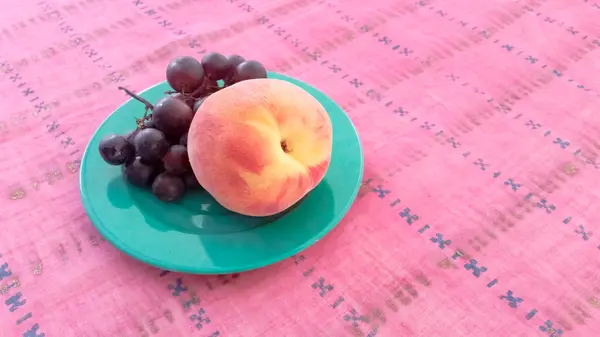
(197, 235)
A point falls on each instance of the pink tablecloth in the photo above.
(480, 123)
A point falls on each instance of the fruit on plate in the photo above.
(259, 145)
(154, 154)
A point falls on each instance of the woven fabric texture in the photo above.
(478, 216)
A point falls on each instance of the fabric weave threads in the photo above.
(480, 126)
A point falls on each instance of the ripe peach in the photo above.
(260, 145)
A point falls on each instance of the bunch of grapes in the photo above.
(154, 154)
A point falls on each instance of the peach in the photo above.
(260, 145)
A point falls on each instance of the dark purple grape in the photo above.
(249, 70)
(191, 183)
(185, 74)
(149, 123)
(198, 103)
(116, 150)
(234, 61)
(167, 187)
(139, 173)
(216, 66)
(173, 140)
(172, 116)
(130, 136)
(159, 167)
(189, 100)
(151, 144)
(176, 160)
(183, 139)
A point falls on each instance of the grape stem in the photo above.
(206, 87)
(130, 137)
(148, 105)
(198, 91)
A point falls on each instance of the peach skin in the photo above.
(260, 145)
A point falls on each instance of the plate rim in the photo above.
(215, 270)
